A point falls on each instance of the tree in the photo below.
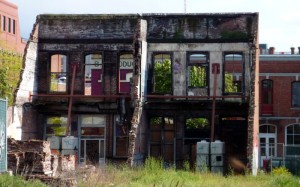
(163, 77)
(10, 68)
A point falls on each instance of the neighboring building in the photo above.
(10, 35)
(127, 87)
(280, 107)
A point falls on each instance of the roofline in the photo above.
(9, 4)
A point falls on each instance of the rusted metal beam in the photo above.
(212, 130)
(71, 99)
(192, 97)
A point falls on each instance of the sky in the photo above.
(279, 20)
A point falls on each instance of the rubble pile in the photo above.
(33, 156)
(33, 160)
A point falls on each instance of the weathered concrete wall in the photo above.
(27, 86)
(216, 51)
(197, 26)
(87, 26)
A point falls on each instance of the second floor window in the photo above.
(125, 72)
(296, 94)
(58, 73)
(93, 75)
(198, 71)
(233, 71)
(162, 73)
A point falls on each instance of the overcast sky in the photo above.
(279, 19)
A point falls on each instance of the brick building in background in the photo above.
(126, 87)
(10, 35)
(280, 107)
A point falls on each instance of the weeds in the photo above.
(157, 173)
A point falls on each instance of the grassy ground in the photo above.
(17, 181)
(153, 174)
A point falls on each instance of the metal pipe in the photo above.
(212, 131)
(71, 100)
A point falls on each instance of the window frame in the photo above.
(66, 73)
(115, 137)
(119, 69)
(3, 25)
(48, 125)
(242, 81)
(295, 105)
(206, 65)
(13, 26)
(153, 71)
(292, 134)
(9, 25)
(85, 65)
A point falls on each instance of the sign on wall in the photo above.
(3, 141)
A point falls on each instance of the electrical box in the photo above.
(217, 151)
(202, 159)
(70, 142)
(55, 142)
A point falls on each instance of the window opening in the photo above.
(121, 137)
(58, 74)
(14, 26)
(9, 25)
(198, 71)
(233, 73)
(162, 74)
(162, 134)
(93, 75)
(296, 94)
(3, 23)
(125, 72)
(56, 126)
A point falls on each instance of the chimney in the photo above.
(271, 50)
(292, 50)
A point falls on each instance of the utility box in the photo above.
(70, 142)
(217, 151)
(55, 142)
(202, 159)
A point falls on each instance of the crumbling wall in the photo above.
(27, 86)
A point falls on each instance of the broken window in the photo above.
(56, 126)
(196, 129)
(162, 75)
(93, 75)
(125, 72)
(267, 97)
(93, 125)
(162, 134)
(120, 138)
(296, 94)
(198, 70)
(233, 77)
(58, 73)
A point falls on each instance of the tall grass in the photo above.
(155, 173)
(18, 181)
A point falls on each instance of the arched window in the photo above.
(293, 134)
(233, 73)
(58, 73)
(266, 128)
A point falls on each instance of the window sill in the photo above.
(295, 108)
